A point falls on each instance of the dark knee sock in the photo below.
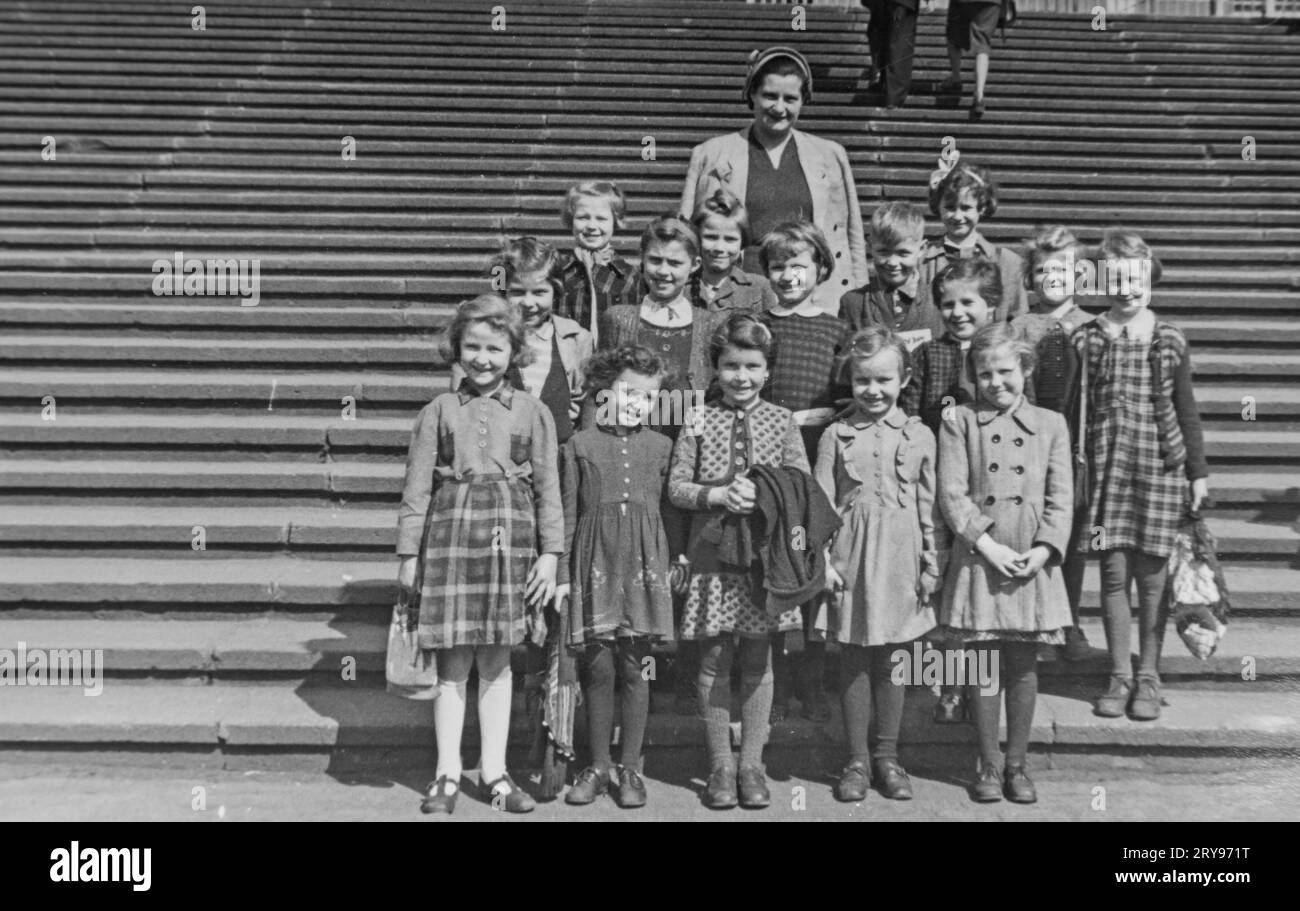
(986, 708)
(888, 699)
(855, 700)
(599, 662)
(1019, 670)
(1150, 573)
(755, 699)
(715, 697)
(812, 671)
(636, 698)
(1116, 610)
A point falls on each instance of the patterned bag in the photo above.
(1197, 595)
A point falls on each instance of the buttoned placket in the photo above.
(741, 455)
(1019, 442)
(876, 446)
(482, 430)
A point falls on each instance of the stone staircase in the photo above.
(274, 435)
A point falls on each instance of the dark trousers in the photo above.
(891, 34)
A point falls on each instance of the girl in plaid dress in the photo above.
(481, 511)
(1146, 462)
(719, 443)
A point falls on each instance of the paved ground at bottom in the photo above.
(77, 793)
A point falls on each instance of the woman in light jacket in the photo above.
(783, 174)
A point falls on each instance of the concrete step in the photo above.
(215, 578)
(78, 477)
(529, 197)
(247, 647)
(410, 390)
(407, 391)
(266, 428)
(164, 346)
(304, 528)
(247, 320)
(203, 482)
(287, 718)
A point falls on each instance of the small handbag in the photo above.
(411, 671)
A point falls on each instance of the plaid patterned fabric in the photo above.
(1136, 502)
(937, 371)
(803, 370)
(1056, 358)
(617, 282)
(482, 542)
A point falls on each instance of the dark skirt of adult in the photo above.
(784, 174)
(970, 30)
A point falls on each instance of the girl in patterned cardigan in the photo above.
(713, 453)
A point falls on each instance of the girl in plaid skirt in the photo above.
(1146, 463)
(481, 515)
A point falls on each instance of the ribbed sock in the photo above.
(987, 711)
(1020, 669)
(755, 699)
(855, 700)
(715, 698)
(600, 702)
(636, 699)
(888, 699)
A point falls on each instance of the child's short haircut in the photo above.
(497, 313)
(791, 238)
(597, 189)
(742, 330)
(604, 367)
(727, 206)
(894, 223)
(669, 228)
(993, 338)
(983, 272)
(866, 344)
(1121, 244)
(527, 256)
(1049, 243)
(967, 177)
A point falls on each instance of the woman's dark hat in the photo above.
(759, 59)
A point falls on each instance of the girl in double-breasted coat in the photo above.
(1006, 491)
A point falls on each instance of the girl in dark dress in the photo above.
(614, 478)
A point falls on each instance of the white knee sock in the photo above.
(494, 723)
(448, 725)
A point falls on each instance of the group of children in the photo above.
(631, 445)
